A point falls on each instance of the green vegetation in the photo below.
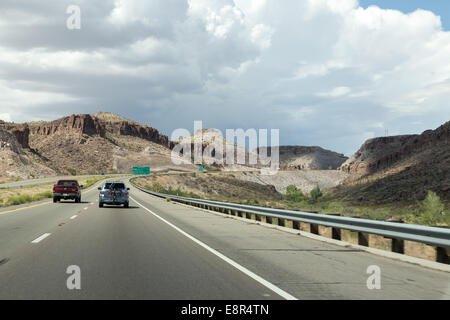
(25, 198)
(72, 171)
(431, 212)
(176, 192)
(315, 194)
(296, 195)
(42, 195)
(16, 200)
(211, 169)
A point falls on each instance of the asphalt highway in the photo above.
(162, 250)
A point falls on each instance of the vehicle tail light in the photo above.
(126, 192)
(101, 192)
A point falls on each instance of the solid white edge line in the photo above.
(236, 265)
(73, 217)
(37, 240)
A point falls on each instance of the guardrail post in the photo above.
(398, 245)
(296, 225)
(314, 228)
(281, 222)
(289, 224)
(442, 255)
(336, 233)
(363, 239)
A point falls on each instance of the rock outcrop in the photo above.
(399, 169)
(20, 131)
(307, 158)
(86, 124)
(380, 153)
(126, 128)
(14, 160)
(76, 123)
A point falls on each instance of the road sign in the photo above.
(141, 170)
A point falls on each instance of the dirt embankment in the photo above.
(218, 186)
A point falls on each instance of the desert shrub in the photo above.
(294, 194)
(16, 200)
(42, 195)
(378, 214)
(431, 211)
(72, 171)
(315, 194)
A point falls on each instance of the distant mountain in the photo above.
(307, 158)
(91, 144)
(109, 143)
(399, 168)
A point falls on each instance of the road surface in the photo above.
(29, 182)
(163, 250)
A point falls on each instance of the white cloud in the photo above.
(5, 117)
(336, 92)
(242, 63)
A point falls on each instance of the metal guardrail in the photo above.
(434, 236)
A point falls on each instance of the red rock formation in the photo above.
(136, 130)
(91, 125)
(82, 123)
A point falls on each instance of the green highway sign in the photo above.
(141, 170)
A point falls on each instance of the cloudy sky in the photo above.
(325, 72)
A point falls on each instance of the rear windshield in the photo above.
(118, 186)
(67, 183)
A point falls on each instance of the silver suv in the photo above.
(113, 192)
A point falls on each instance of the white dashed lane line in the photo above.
(73, 217)
(37, 240)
